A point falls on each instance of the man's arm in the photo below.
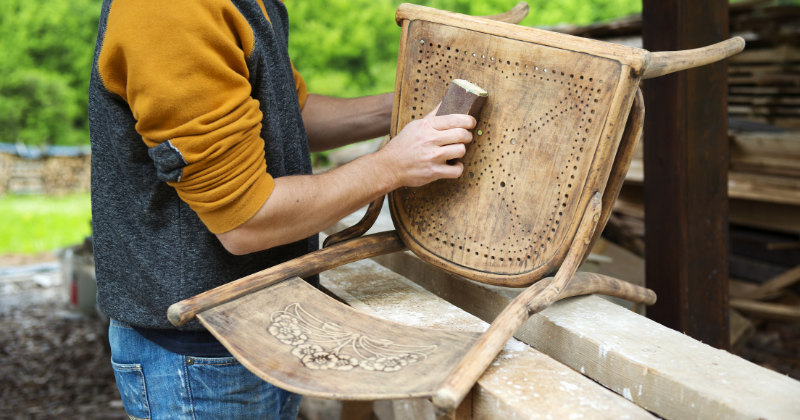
(335, 122)
(303, 205)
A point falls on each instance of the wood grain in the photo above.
(357, 230)
(662, 63)
(307, 265)
(635, 58)
(686, 169)
(622, 161)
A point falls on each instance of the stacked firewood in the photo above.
(66, 174)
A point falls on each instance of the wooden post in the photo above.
(686, 172)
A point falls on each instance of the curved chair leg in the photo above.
(622, 161)
(534, 299)
(366, 222)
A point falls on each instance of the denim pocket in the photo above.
(130, 382)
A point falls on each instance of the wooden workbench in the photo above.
(665, 372)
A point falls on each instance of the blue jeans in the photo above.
(157, 384)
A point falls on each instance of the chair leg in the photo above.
(464, 376)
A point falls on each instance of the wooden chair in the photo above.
(550, 151)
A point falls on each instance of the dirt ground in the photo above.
(53, 363)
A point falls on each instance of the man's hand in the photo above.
(418, 155)
(303, 205)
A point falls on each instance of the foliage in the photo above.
(46, 51)
(342, 47)
(33, 224)
(349, 48)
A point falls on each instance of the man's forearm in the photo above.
(335, 122)
(301, 206)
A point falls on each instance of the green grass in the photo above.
(33, 224)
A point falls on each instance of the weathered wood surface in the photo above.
(532, 300)
(521, 383)
(622, 350)
(299, 339)
(662, 63)
(548, 134)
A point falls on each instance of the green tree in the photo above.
(349, 47)
(342, 47)
(46, 51)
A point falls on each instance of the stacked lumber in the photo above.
(764, 79)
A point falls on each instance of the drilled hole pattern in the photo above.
(531, 151)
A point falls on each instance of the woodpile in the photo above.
(763, 182)
(52, 175)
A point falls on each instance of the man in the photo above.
(201, 131)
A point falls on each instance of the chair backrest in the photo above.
(544, 144)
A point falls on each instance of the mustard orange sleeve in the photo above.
(181, 67)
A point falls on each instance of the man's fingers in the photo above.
(452, 136)
(452, 151)
(447, 122)
(451, 171)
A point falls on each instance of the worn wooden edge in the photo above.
(398, 81)
(637, 59)
(359, 228)
(369, 246)
(657, 368)
(662, 63)
(520, 383)
(622, 161)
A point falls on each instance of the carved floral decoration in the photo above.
(325, 345)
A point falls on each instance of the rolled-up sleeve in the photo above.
(181, 67)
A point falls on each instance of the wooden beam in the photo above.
(521, 383)
(686, 167)
(666, 372)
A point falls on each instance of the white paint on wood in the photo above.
(663, 371)
(521, 382)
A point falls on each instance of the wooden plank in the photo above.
(764, 215)
(664, 371)
(766, 310)
(776, 284)
(742, 185)
(521, 383)
(686, 173)
(781, 54)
